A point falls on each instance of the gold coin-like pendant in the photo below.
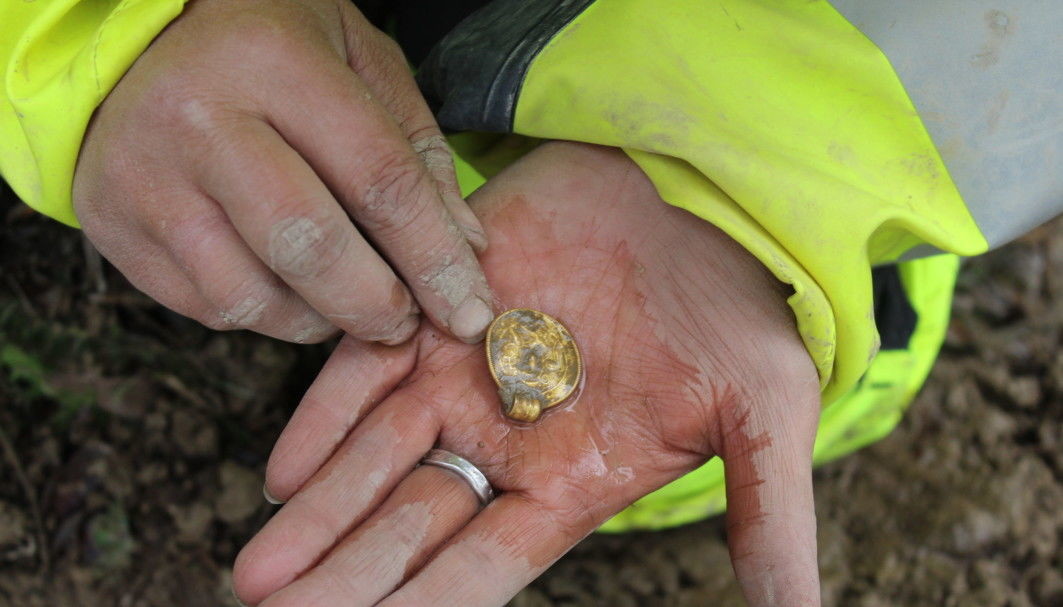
(534, 360)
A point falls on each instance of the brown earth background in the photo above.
(133, 442)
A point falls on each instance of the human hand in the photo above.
(251, 164)
(690, 351)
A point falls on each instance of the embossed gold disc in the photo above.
(534, 361)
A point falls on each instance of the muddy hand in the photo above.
(249, 167)
(690, 352)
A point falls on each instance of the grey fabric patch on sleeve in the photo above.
(986, 77)
(473, 76)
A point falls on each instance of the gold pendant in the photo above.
(534, 360)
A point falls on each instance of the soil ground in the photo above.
(132, 445)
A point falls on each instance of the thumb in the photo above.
(771, 523)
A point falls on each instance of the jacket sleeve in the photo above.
(780, 122)
(59, 60)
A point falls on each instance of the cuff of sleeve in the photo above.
(681, 185)
(778, 122)
(63, 60)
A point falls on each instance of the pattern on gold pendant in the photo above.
(534, 360)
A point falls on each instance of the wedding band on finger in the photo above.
(463, 468)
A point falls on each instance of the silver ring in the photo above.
(463, 468)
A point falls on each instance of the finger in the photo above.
(242, 292)
(151, 269)
(430, 144)
(379, 61)
(356, 377)
(506, 546)
(771, 525)
(358, 150)
(292, 222)
(380, 452)
(425, 509)
(125, 242)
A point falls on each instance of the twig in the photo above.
(20, 474)
(93, 266)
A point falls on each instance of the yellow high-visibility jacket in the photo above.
(827, 137)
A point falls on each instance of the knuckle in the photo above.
(198, 94)
(186, 234)
(196, 115)
(391, 200)
(168, 98)
(186, 100)
(426, 139)
(245, 305)
(373, 47)
(272, 36)
(436, 156)
(447, 276)
(303, 248)
(185, 108)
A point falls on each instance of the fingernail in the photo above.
(269, 497)
(237, 599)
(469, 320)
(404, 331)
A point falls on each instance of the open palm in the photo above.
(690, 352)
